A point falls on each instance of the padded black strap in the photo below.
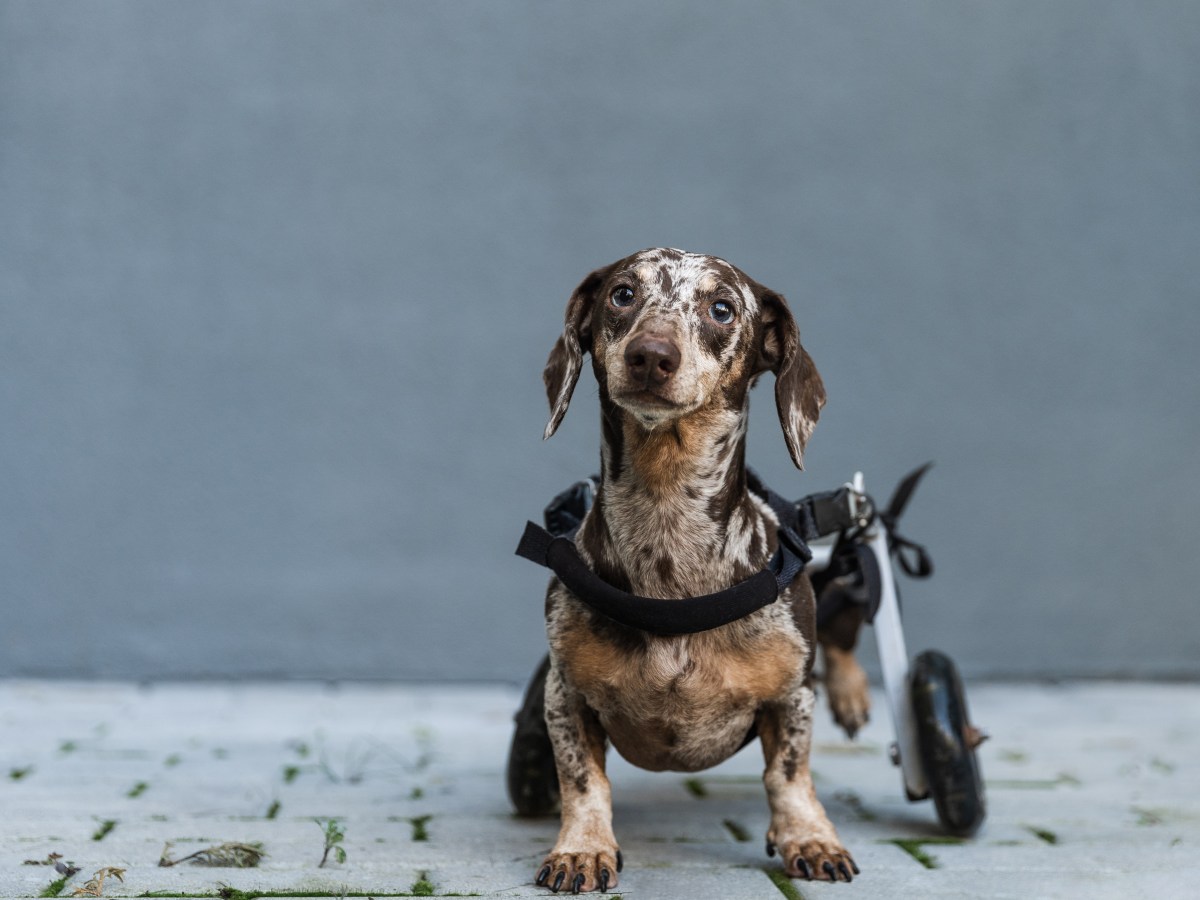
(811, 517)
(687, 615)
(827, 512)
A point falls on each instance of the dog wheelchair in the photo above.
(852, 563)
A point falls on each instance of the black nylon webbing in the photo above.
(687, 615)
(812, 517)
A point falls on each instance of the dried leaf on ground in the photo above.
(54, 859)
(232, 855)
(94, 886)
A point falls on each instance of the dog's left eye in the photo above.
(721, 312)
(622, 297)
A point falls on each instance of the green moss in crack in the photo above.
(419, 830)
(1148, 816)
(695, 787)
(854, 802)
(54, 888)
(104, 828)
(737, 830)
(913, 847)
(783, 884)
(1042, 834)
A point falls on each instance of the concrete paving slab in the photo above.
(1093, 791)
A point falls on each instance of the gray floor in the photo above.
(1093, 791)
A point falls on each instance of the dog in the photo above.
(677, 340)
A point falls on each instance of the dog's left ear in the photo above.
(799, 391)
(566, 359)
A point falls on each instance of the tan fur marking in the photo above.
(666, 456)
(591, 661)
(688, 702)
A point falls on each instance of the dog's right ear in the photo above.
(566, 359)
(799, 391)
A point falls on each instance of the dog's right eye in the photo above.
(622, 297)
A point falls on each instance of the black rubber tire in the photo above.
(532, 775)
(944, 739)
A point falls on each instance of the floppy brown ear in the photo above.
(566, 359)
(799, 391)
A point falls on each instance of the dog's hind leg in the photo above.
(532, 778)
(586, 856)
(800, 830)
(849, 694)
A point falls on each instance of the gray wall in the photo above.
(277, 282)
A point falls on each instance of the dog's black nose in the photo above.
(651, 358)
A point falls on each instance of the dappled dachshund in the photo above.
(677, 340)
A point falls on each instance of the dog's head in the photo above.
(673, 333)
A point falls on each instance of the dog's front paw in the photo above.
(814, 858)
(584, 870)
(849, 692)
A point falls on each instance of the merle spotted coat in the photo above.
(677, 340)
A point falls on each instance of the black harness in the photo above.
(842, 512)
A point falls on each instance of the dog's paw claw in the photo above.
(817, 860)
(851, 721)
(579, 872)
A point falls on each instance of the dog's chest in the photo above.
(676, 547)
(683, 703)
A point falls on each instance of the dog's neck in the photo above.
(673, 517)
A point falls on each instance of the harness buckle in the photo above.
(862, 509)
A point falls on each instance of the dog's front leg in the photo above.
(800, 830)
(586, 857)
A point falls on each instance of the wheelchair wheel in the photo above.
(532, 773)
(947, 743)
